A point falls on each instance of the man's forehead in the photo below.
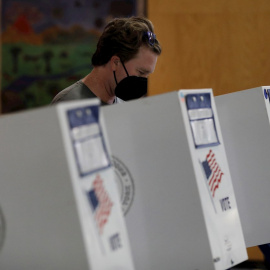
(145, 69)
(144, 61)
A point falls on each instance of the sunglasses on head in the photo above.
(150, 36)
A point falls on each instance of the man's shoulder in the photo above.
(76, 91)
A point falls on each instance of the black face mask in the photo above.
(131, 87)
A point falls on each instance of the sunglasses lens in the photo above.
(151, 38)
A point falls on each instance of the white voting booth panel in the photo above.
(59, 199)
(244, 119)
(174, 182)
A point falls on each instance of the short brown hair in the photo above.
(123, 37)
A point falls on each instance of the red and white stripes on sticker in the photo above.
(216, 173)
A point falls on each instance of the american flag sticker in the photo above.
(212, 172)
(100, 203)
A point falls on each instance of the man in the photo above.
(126, 55)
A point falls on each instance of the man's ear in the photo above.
(115, 61)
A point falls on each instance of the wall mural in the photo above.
(48, 45)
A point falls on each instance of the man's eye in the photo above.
(141, 73)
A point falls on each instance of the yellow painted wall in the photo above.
(223, 45)
(254, 254)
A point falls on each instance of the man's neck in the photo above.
(98, 85)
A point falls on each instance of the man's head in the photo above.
(123, 37)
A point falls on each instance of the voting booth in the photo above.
(244, 119)
(60, 206)
(174, 182)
